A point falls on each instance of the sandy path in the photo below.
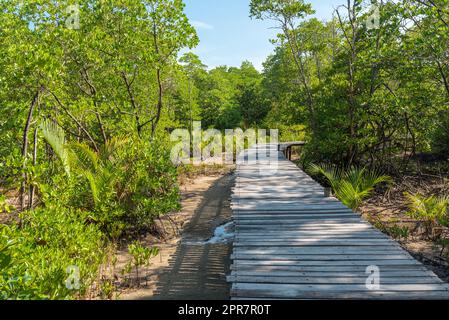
(187, 267)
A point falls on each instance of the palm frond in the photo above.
(93, 187)
(86, 158)
(351, 195)
(427, 208)
(417, 207)
(55, 137)
(371, 178)
(113, 148)
(353, 185)
(331, 173)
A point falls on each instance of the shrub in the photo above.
(399, 232)
(140, 257)
(430, 211)
(35, 256)
(440, 136)
(125, 185)
(4, 205)
(353, 185)
(292, 133)
(151, 190)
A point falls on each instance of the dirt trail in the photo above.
(188, 268)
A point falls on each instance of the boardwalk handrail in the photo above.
(286, 147)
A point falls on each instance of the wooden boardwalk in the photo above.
(293, 243)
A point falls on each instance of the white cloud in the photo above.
(201, 25)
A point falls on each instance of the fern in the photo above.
(55, 137)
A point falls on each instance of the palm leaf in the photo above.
(331, 173)
(86, 158)
(351, 186)
(350, 195)
(93, 187)
(55, 137)
(427, 208)
(113, 149)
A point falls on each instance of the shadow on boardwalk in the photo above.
(198, 270)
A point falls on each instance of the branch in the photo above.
(76, 120)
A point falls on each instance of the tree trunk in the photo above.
(32, 187)
(302, 74)
(159, 104)
(26, 130)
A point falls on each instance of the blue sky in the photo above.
(228, 36)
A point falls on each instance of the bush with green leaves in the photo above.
(440, 135)
(4, 205)
(431, 211)
(35, 256)
(398, 232)
(140, 257)
(125, 185)
(353, 185)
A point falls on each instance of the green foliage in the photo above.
(432, 213)
(140, 256)
(353, 185)
(431, 209)
(374, 96)
(224, 98)
(292, 133)
(35, 256)
(4, 206)
(399, 232)
(55, 137)
(125, 186)
(277, 9)
(83, 90)
(440, 136)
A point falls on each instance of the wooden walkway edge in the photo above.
(291, 242)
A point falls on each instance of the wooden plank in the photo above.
(292, 289)
(304, 226)
(283, 237)
(306, 216)
(293, 239)
(329, 251)
(304, 202)
(270, 196)
(312, 243)
(307, 230)
(292, 223)
(293, 211)
(325, 275)
(241, 294)
(365, 263)
(328, 280)
(299, 227)
(315, 257)
(324, 268)
(286, 207)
